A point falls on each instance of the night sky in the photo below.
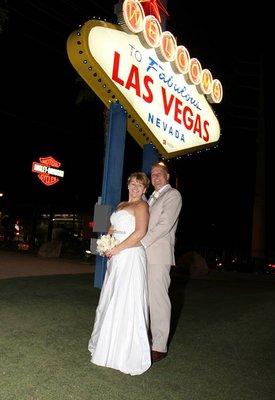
(41, 114)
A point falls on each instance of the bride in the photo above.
(120, 335)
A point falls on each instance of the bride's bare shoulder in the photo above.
(142, 205)
(121, 205)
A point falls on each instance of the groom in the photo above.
(165, 205)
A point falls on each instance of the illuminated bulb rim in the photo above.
(208, 86)
(206, 82)
(182, 60)
(152, 31)
(168, 48)
(216, 94)
(194, 73)
(132, 16)
(134, 9)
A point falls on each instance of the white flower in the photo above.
(153, 197)
(105, 243)
(156, 194)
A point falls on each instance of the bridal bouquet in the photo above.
(105, 243)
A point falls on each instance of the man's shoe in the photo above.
(158, 356)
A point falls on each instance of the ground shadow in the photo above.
(178, 284)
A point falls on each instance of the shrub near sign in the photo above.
(165, 92)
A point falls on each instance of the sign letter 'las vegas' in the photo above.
(166, 93)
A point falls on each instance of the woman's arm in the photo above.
(141, 213)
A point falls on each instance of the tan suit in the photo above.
(159, 243)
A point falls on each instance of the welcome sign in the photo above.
(165, 93)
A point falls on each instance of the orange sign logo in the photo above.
(48, 170)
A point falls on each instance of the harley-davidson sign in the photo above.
(165, 92)
(48, 170)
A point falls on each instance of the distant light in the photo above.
(1, 194)
(88, 252)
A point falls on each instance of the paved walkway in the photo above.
(18, 264)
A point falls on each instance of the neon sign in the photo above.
(152, 7)
(165, 92)
(48, 170)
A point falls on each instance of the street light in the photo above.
(1, 196)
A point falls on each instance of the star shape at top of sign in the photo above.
(153, 7)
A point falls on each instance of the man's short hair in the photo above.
(161, 165)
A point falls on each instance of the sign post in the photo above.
(149, 157)
(113, 170)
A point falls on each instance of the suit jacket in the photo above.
(159, 240)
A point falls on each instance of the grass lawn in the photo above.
(222, 346)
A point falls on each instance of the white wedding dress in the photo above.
(120, 335)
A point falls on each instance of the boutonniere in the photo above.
(153, 197)
(156, 195)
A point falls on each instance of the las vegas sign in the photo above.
(165, 93)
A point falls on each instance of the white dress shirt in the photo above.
(155, 195)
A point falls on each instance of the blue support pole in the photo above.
(113, 171)
(150, 156)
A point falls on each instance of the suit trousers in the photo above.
(159, 305)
